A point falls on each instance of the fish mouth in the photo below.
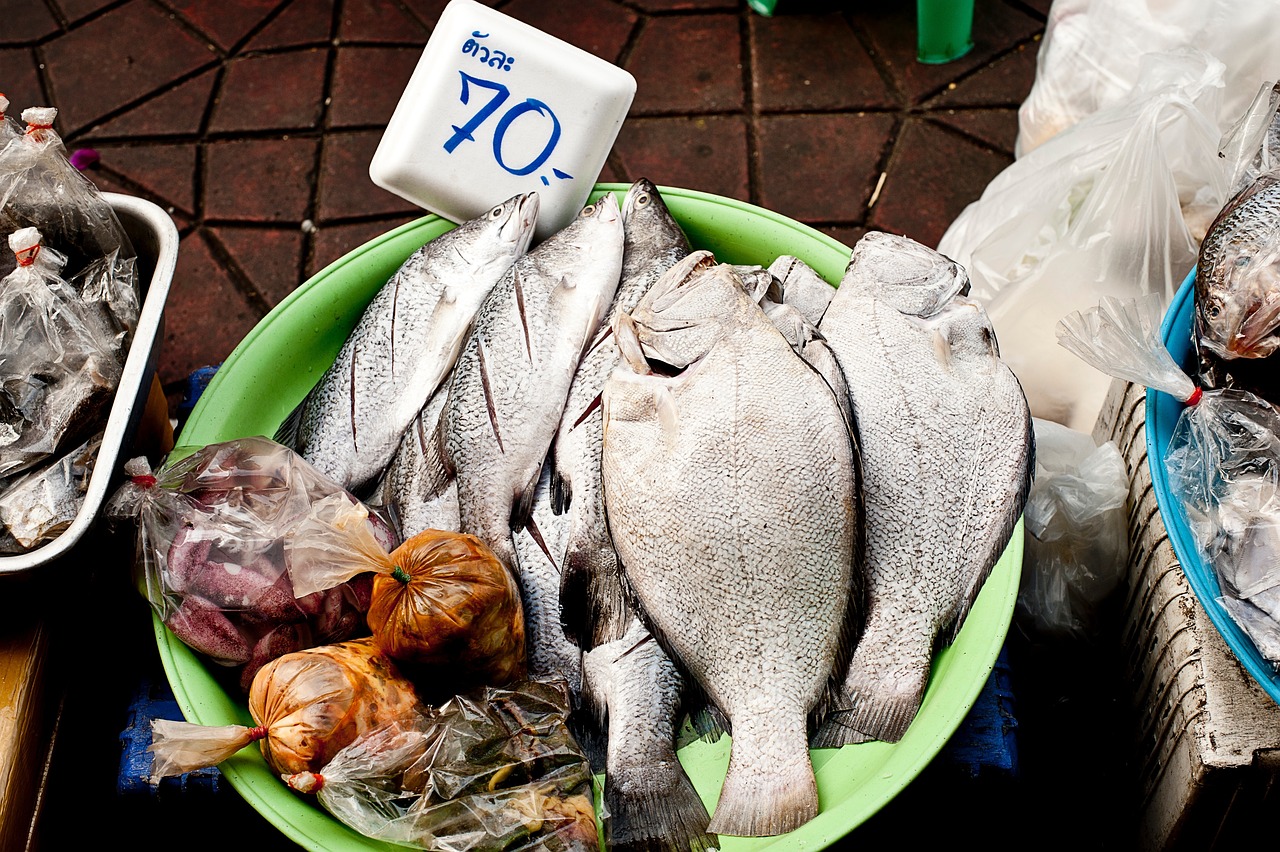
(520, 224)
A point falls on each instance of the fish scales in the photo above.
(730, 495)
(404, 345)
(511, 382)
(947, 458)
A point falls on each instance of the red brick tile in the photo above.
(708, 75)
(345, 187)
(271, 258)
(303, 22)
(1005, 82)
(597, 26)
(20, 81)
(334, 241)
(849, 235)
(177, 112)
(708, 154)
(277, 91)
(685, 5)
(996, 127)
(111, 61)
(74, 10)
(226, 22)
(380, 21)
(368, 82)
(206, 315)
(428, 11)
(820, 168)
(27, 22)
(166, 172)
(933, 175)
(893, 32)
(806, 62)
(259, 180)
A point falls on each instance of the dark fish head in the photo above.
(909, 276)
(648, 223)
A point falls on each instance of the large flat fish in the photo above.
(404, 345)
(947, 460)
(729, 486)
(512, 379)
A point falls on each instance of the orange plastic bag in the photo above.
(307, 706)
(442, 602)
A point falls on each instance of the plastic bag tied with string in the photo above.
(495, 770)
(211, 532)
(1223, 461)
(1078, 535)
(442, 602)
(9, 129)
(306, 706)
(1224, 467)
(57, 368)
(40, 188)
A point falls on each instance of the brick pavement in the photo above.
(253, 121)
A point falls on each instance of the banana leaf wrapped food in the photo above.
(494, 770)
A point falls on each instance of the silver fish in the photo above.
(947, 460)
(650, 803)
(801, 287)
(591, 594)
(730, 494)
(418, 491)
(512, 379)
(540, 548)
(406, 341)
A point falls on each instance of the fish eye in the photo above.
(589, 210)
(642, 199)
(1242, 261)
(497, 211)
(1213, 310)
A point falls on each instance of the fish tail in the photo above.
(882, 704)
(770, 787)
(667, 816)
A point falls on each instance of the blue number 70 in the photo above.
(463, 133)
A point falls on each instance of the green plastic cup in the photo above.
(944, 30)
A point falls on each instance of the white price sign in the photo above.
(496, 107)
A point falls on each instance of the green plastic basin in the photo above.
(284, 355)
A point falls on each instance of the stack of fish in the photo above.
(728, 492)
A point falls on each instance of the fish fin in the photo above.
(289, 432)
(882, 707)
(667, 816)
(764, 795)
(522, 503)
(589, 730)
(834, 732)
(594, 606)
(561, 493)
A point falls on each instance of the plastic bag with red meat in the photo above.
(211, 557)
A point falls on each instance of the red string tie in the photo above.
(257, 733)
(1195, 396)
(27, 256)
(146, 480)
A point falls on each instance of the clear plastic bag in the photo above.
(211, 551)
(39, 505)
(306, 705)
(1101, 209)
(58, 369)
(442, 602)
(9, 129)
(496, 770)
(1224, 467)
(40, 188)
(1090, 54)
(1078, 535)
